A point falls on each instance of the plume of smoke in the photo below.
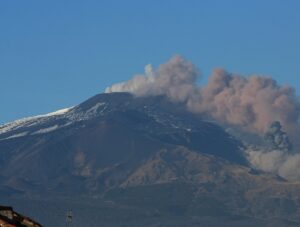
(276, 161)
(277, 158)
(176, 79)
(277, 138)
(250, 103)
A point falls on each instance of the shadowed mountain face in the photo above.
(144, 160)
(109, 132)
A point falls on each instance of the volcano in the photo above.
(121, 160)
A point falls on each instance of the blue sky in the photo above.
(55, 54)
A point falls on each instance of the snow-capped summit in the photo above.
(30, 121)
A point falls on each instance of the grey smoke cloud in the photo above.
(252, 103)
(176, 79)
(276, 161)
(277, 157)
(276, 138)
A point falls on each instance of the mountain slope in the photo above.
(145, 156)
(106, 132)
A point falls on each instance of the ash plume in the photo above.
(278, 139)
(251, 103)
(277, 156)
(276, 161)
(176, 79)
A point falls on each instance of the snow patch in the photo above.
(16, 135)
(58, 112)
(94, 109)
(46, 130)
(30, 121)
